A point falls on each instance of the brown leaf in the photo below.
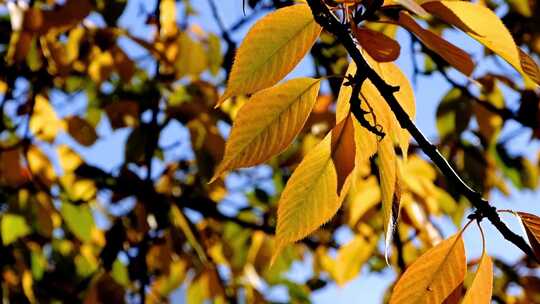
(343, 150)
(82, 131)
(379, 46)
(531, 223)
(455, 56)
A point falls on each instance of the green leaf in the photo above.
(79, 220)
(13, 228)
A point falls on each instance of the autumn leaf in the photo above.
(390, 191)
(455, 56)
(44, 122)
(82, 131)
(343, 150)
(434, 275)
(366, 142)
(311, 196)
(268, 123)
(351, 256)
(482, 24)
(379, 46)
(271, 49)
(482, 285)
(531, 224)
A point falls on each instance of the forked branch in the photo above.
(328, 21)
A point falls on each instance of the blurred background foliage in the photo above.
(73, 231)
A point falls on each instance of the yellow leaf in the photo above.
(364, 195)
(40, 166)
(455, 56)
(310, 197)
(27, 284)
(366, 142)
(531, 224)
(271, 49)
(352, 256)
(268, 123)
(482, 285)
(434, 275)
(69, 159)
(390, 192)
(101, 66)
(44, 123)
(192, 59)
(379, 46)
(167, 18)
(393, 75)
(483, 25)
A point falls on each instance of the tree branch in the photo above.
(328, 21)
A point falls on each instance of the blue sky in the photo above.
(108, 151)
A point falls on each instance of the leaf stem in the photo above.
(328, 21)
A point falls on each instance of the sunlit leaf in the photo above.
(44, 122)
(79, 220)
(13, 227)
(352, 256)
(310, 197)
(40, 166)
(482, 285)
(379, 46)
(271, 49)
(531, 223)
(455, 56)
(486, 27)
(268, 123)
(434, 275)
(192, 59)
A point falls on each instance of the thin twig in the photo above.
(328, 21)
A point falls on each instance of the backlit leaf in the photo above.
(271, 49)
(352, 256)
(268, 123)
(310, 197)
(434, 275)
(366, 142)
(379, 46)
(482, 285)
(13, 227)
(486, 27)
(531, 223)
(79, 220)
(455, 56)
(44, 122)
(390, 191)
(83, 132)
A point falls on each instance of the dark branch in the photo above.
(327, 20)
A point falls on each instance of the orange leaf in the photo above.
(482, 285)
(343, 147)
(379, 46)
(531, 223)
(434, 275)
(455, 56)
(486, 27)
